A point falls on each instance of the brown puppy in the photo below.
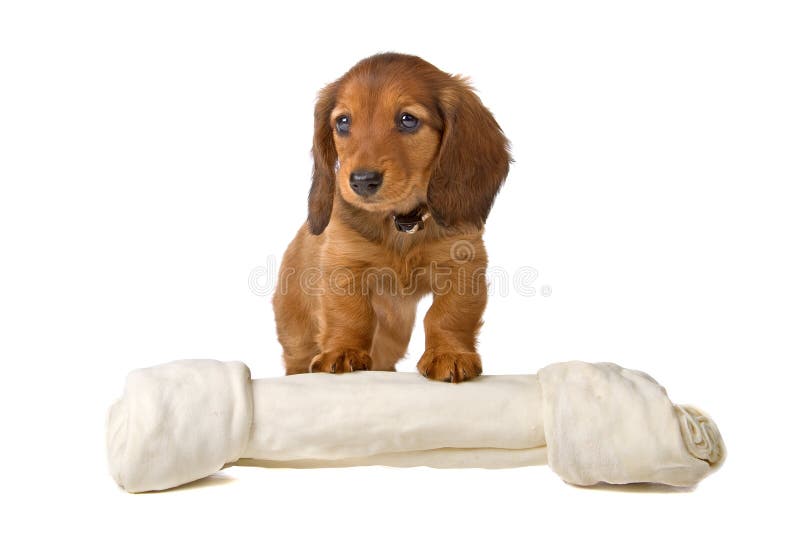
(407, 162)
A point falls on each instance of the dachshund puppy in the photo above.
(407, 163)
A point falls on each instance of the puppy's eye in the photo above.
(408, 122)
(343, 125)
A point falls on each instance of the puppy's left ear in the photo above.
(323, 179)
(473, 159)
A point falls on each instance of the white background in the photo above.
(153, 154)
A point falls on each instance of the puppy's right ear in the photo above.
(323, 179)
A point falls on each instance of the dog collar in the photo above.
(412, 221)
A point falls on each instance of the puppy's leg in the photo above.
(453, 321)
(395, 322)
(297, 329)
(346, 327)
(296, 303)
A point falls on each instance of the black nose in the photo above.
(366, 183)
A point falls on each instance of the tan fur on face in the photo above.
(406, 160)
(350, 281)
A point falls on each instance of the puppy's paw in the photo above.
(449, 366)
(341, 361)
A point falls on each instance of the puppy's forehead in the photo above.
(376, 94)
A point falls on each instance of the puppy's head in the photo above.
(395, 132)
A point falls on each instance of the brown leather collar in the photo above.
(412, 221)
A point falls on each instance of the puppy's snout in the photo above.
(366, 183)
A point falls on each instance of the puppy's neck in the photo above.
(382, 226)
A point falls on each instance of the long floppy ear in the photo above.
(323, 179)
(473, 159)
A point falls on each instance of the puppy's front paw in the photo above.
(341, 361)
(449, 366)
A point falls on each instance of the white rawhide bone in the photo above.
(185, 420)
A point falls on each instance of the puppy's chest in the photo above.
(403, 273)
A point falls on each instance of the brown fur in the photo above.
(350, 281)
